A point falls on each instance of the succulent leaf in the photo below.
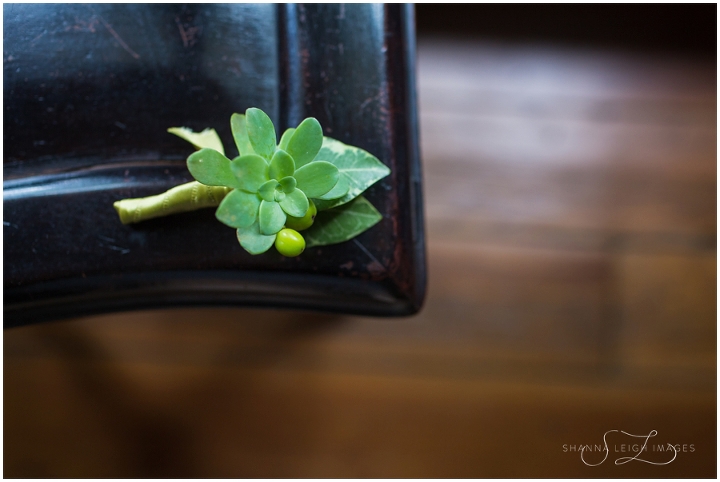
(305, 142)
(238, 125)
(251, 171)
(271, 217)
(295, 203)
(316, 178)
(211, 168)
(261, 132)
(253, 241)
(341, 189)
(238, 209)
(288, 184)
(281, 165)
(267, 190)
(285, 139)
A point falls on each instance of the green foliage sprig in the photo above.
(272, 190)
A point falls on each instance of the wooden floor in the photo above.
(571, 215)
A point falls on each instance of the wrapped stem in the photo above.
(180, 199)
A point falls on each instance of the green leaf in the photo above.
(316, 178)
(361, 168)
(267, 190)
(205, 139)
(271, 217)
(340, 189)
(238, 209)
(281, 165)
(211, 168)
(295, 203)
(251, 171)
(288, 184)
(286, 138)
(261, 132)
(239, 131)
(253, 241)
(342, 223)
(305, 142)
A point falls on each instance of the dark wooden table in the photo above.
(89, 91)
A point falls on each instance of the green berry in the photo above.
(289, 242)
(304, 222)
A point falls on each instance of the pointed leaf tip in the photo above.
(342, 223)
(205, 139)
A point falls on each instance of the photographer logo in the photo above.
(628, 448)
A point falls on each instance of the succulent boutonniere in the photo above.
(271, 191)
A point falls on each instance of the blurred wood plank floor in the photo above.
(571, 216)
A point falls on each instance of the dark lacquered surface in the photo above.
(107, 80)
(89, 94)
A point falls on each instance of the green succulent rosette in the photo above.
(270, 182)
